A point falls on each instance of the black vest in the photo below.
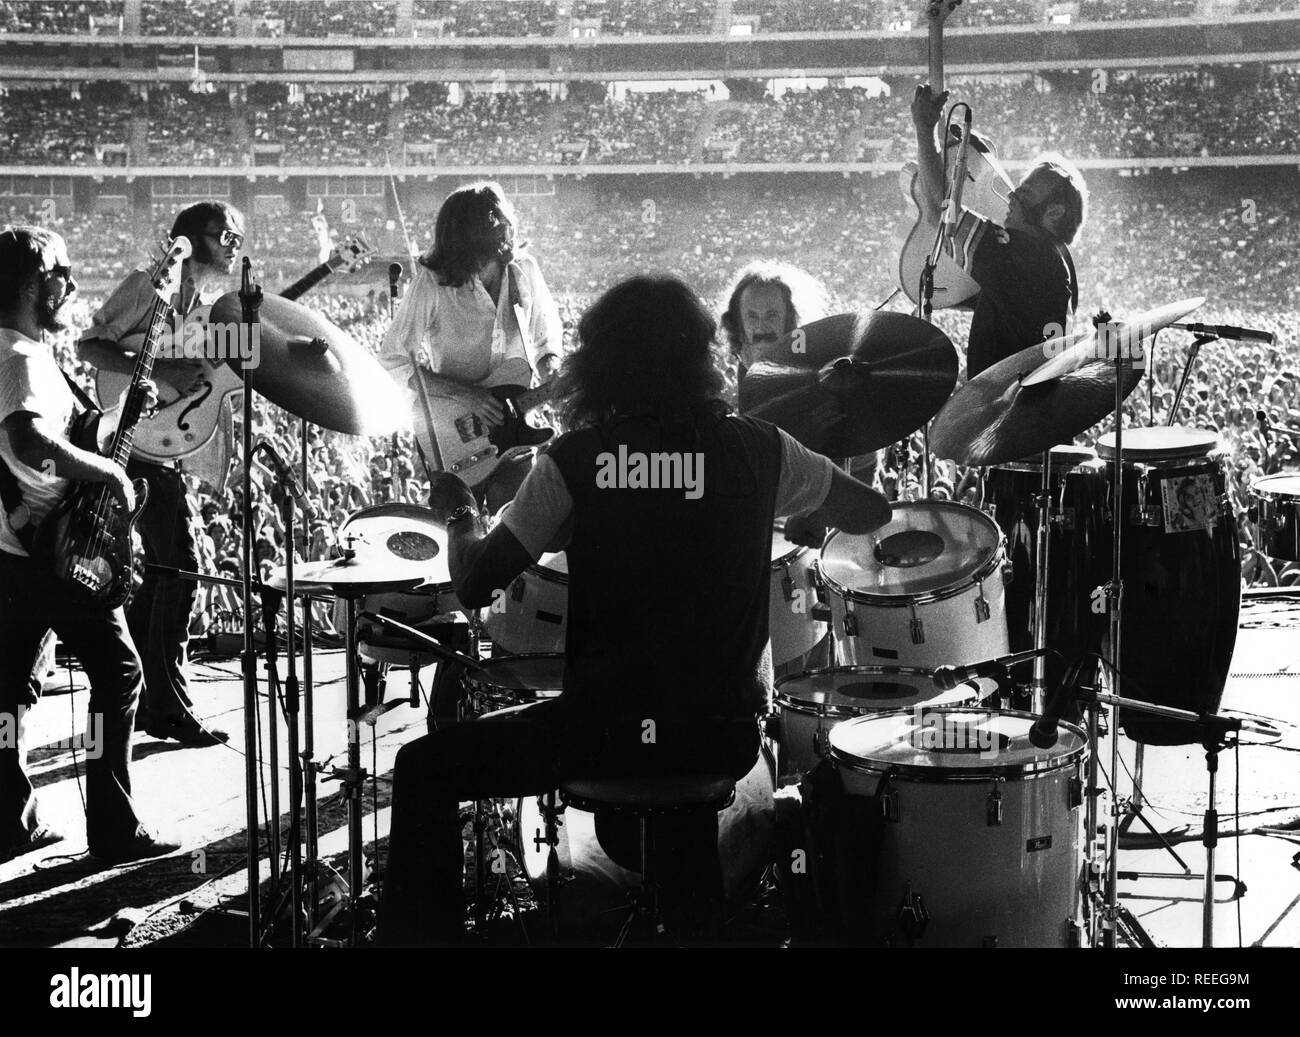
(668, 595)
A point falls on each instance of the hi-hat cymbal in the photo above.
(995, 418)
(1127, 338)
(315, 370)
(854, 382)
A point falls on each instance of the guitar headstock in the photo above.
(165, 274)
(351, 253)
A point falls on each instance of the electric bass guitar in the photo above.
(464, 443)
(986, 192)
(185, 423)
(86, 540)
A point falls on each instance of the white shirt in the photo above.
(31, 383)
(463, 334)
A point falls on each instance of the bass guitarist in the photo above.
(38, 467)
(481, 314)
(159, 613)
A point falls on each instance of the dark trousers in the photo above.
(159, 613)
(523, 751)
(29, 605)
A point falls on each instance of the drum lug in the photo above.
(889, 808)
(1075, 792)
(517, 589)
(850, 624)
(917, 627)
(913, 915)
(787, 584)
(820, 613)
(821, 741)
(982, 610)
(993, 808)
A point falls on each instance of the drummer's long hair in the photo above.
(645, 347)
(476, 223)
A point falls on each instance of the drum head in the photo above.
(1283, 486)
(783, 548)
(537, 676)
(1173, 443)
(392, 534)
(553, 566)
(855, 690)
(927, 547)
(951, 743)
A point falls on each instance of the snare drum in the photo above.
(967, 836)
(925, 590)
(791, 627)
(530, 616)
(1078, 548)
(514, 680)
(409, 533)
(812, 703)
(1181, 567)
(1277, 505)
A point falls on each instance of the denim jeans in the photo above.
(29, 605)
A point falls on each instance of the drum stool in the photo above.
(651, 799)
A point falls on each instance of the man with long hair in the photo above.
(1028, 286)
(159, 612)
(477, 313)
(664, 504)
(768, 299)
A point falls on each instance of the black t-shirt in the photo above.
(1027, 291)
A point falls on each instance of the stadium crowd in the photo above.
(517, 18)
(1146, 243)
(1201, 112)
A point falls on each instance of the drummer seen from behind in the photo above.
(767, 300)
(668, 587)
(1028, 286)
(477, 313)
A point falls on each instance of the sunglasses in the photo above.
(60, 270)
(228, 238)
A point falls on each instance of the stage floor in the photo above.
(61, 897)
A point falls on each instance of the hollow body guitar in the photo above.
(86, 540)
(184, 423)
(985, 193)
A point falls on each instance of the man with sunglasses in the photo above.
(159, 612)
(1028, 287)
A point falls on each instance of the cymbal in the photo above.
(854, 382)
(1126, 337)
(995, 418)
(315, 370)
(349, 577)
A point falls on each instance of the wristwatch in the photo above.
(464, 511)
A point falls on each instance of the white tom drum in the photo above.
(531, 616)
(812, 703)
(927, 589)
(977, 832)
(791, 627)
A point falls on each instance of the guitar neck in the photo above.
(526, 401)
(124, 437)
(936, 51)
(307, 282)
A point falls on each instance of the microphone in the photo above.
(1228, 331)
(948, 677)
(1042, 733)
(394, 275)
(1262, 418)
(285, 474)
(953, 213)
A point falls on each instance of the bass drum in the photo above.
(925, 590)
(1181, 567)
(812, 703)
(955, 831)
(594, 889)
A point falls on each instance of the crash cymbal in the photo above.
(315, 370)
(347, 577)
(995, 418)
(1126, 337)
(854, 382)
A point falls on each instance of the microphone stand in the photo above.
(250, 301)
(1197, 343)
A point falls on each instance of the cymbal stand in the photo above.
(1042, 551)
